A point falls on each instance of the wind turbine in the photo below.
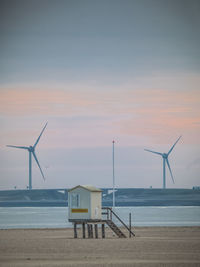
(165, 160)
(31, 150)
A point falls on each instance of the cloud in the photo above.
(142, 108)
(38, 101)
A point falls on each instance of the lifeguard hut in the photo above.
(84, 207)
(84, 203)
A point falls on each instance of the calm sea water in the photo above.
(57, 217)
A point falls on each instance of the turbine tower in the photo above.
(31, 150)
(165, 160)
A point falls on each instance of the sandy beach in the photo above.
(152, 246)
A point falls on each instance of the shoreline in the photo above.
(152, 246)
(46, 205)
(71, 228)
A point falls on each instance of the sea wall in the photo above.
(123, 197)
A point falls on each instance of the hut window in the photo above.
(75, 200)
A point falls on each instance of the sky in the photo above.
(97, 71)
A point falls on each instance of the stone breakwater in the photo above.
(124, 197)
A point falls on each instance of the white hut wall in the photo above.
(83, 204)
(96, 205)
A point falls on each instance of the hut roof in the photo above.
(90, 188)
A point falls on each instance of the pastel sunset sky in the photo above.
(127, 70)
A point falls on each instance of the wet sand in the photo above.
(152, 246)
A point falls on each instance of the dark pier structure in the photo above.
(91, 225)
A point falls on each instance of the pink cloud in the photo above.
(130, 111)
(46, 102)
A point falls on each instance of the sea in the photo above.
(57, 217)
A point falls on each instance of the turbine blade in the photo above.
(40, 135)
(22, 147)
(158, 153)
(170, 169)
(173, 145)
(38, 164)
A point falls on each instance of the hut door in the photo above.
(75, 200)
(96, 212)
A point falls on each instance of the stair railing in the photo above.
(109, 214)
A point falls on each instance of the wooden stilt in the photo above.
(103, 230)
(83, 229)
(88, 227)
(75, 230)
(130, 225)
(91, 230)
(96, 230)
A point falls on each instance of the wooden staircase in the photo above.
(110, 215)
(115, 229)
(109, 221)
